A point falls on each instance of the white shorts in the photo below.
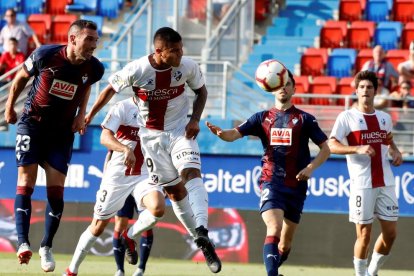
(111, 195)
(365, 204)
(167, 153)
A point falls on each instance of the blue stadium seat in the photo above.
(108, 8)
(99, 20)
(341, 62)
(387, 34)
(29, 7)
(88, 6)
(9, 4)
(377, 10)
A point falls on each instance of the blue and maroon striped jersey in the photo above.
(58, 87)
(285, 136)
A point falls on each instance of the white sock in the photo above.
(85, 243)
(360, 266)
(377, 260)
(198, 198)
(145, 221)
(185, 215)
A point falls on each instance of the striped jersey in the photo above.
(163, 104)
(285, 137)
(355, 128)
(122, 120)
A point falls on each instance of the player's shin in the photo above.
(85, 243)
(145, 221)
(182, 209)
(145, 245)
(271, 255)
(360, 266)
(198, 198)
(377, 261)
(53, 214)
(23, 211)
(119, 250)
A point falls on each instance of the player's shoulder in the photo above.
(305, 114)
(382, 114)
(45, 51)
(187, 61)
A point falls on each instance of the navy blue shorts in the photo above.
(128, 209)
(37, 144)
(288, 199)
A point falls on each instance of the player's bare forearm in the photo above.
(199, 102)
(322, 156)
(104, 97)
(228, 135)
(339, 148)
(395, 154)
(84, 102)
(110, 142)
(18, 84)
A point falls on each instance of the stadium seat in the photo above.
(302, 87)
(29, 7)
(363, 56)
(396, 56)
(55, 7)
(261, 10)
(84, 6)
(108, 8)
(333, 34)
(323, 85)
(360, 34)
(345, 88)
(313, 61)
(403, 10)
(60, 27)
(41, 25)
(341, 63)
(407, 35)
(350, 10)
(99, 20)
(377, 10)
(387, 34)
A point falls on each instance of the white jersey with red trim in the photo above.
(122, 120)
(163, 103)
(355, 128)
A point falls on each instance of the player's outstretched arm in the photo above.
(319, 159)
(79, 121)
(228, 135)
(18, 84)
(104, 97)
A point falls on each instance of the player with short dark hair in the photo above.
(364, 135)
(284, 132)
(54, 110)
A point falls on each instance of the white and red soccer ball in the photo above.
(271, 75)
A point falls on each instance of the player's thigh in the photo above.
(59, 150)
(29, 142)
(185, 154)
(110, 198)
(26, 175)
(386, 207)
(362, 205)
(127, 211)
(147, 195)
(53, 176)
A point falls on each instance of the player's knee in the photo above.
(177, 192)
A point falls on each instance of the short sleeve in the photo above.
(123, 78)
(195, 77)
(315, 132)
(114, 118)
(32, 64)
(340, 129)
(252, 126)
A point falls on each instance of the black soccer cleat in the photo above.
(131, 254)
(203, 242)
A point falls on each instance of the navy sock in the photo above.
(53, 214)
(145, 245)
(283, 257)
(119, 251)
(271, 255)
(23, 212)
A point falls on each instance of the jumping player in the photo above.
(284, 132)
(55, 108)
(124, 174)
(168, 137)
(364, 135)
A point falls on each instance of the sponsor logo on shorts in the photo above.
(281, 136)
(63, 89)
(188, 155)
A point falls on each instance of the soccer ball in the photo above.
(271, 75)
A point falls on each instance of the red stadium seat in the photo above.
(313, 61)
(197, 9)
(396, 56)
(333, 33)
(56, 6)
(41, 25)
(350, 10)
(403, 10)
(302, 87)
(323, 85)
(360, 34)
(407, 35)
(345, 88)
(363, 56)
(60, 27)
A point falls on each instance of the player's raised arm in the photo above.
(19, 83)
(104, 97)
(228, 135)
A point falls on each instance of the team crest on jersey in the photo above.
(84, 78)
(280, 136)
(63, 89)
(178, 75)
(295, 120)
(150, 82)
(361, 121)
(383, 121)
